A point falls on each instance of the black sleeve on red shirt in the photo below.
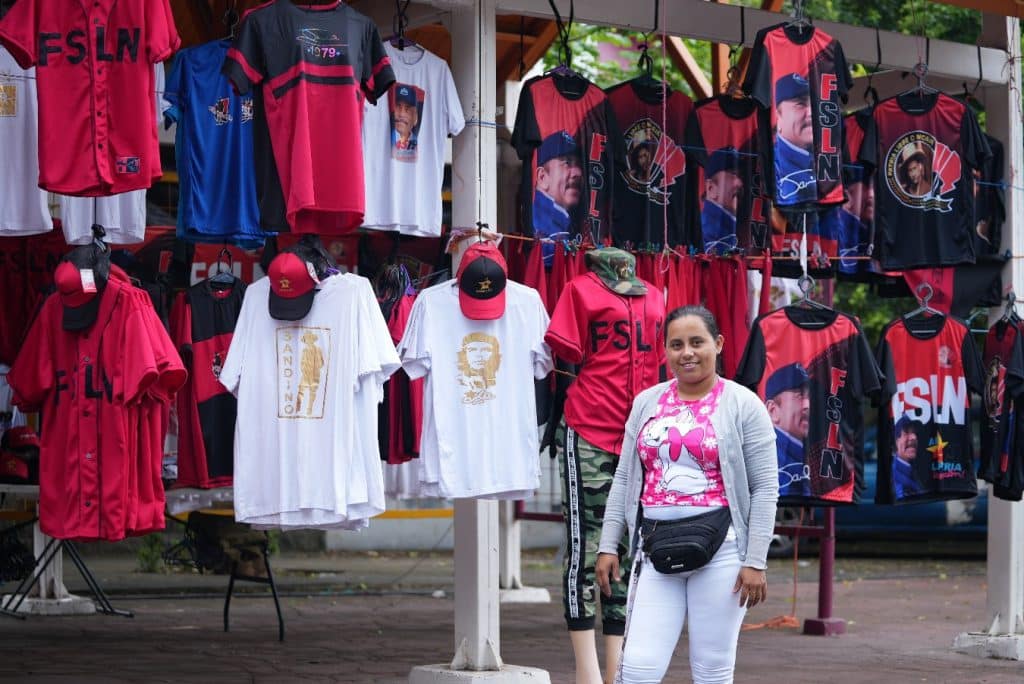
(973, 370)
(758, 81)
(526, 132)
(245, 66)
(886, 366)
(752, 363)
(976, 149)
(868, 378)
(845, 78)
(377, 74)
(694, 140)
(868, 149)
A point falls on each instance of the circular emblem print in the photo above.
(922, 172)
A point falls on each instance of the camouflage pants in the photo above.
(587, 473)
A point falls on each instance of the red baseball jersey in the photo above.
(313, 66)
(618, 341)
(94, 72)
(84, 384)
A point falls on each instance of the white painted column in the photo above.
(474, 198)
(1003, 631)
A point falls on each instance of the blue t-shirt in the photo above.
(214, 150)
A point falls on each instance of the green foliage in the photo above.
(150, 554)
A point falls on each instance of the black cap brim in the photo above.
(81, 317)
(291, 309)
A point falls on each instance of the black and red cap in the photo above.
(482, 278)
(292, 287)
(81, 302)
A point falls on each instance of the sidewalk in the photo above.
(371, 617)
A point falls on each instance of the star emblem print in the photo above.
(483, 286)
(284, 284)
(938, 448)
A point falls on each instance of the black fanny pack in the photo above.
(683, 545)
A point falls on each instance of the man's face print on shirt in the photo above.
(479, 358)
(654, 161)
(921, 172)
(405, 103)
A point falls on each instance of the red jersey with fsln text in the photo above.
(813, 368)
(94, 70)
(928, 148)
(619, 344)
(314, 65)
(799, 76)
(925, 450)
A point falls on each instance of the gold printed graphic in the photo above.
(479, 359)
(8, 99)
(484, 286)
(303, 361)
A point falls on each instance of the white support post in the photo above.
(510, 560)
(474, 198)
(1003, 635)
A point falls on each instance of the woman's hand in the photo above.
(607, 569)
(752, 585)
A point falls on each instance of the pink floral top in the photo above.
(679, 452)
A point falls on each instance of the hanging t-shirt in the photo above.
(989, 205)
(813, 368)
(1002, 455)
(23, 207)
(927, 149)
(313, 66)
(306, 452)
(653, 181)
(568, 139)
(203, 322)
(925, 450)
(800, 77)
(480, 412)
(404, 143)
(854, 220)
(123, 216)
(213, 149)
(733, 208)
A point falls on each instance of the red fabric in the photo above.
(535, 276)
(659, 273)
(688, 282)
(766, 286)
(405, 396)
(557, 280)
(618, 342)
(515, 258)
(726, 289)
(98, 108)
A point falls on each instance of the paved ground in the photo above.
(370, 618)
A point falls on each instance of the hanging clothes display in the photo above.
(100, 58)
(203, 321)
(813, 368)
(925, 450)
(731, 207)
(479, 341)
(653, 181)
(928, 146)
(23, 207)
(308, 371)
(401, 413)
(855, 219)
(571, 147)
(213, 150)
(404, 142)
(989, 201)
(799, 76)
(1002, 438)
(309, 69)
(100, 366)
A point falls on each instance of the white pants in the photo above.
(659, 606)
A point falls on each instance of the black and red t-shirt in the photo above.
(731, 207)
(989, 205)
(653, 181)
(314, 66)
(813, 368)
(854, 220)
(571, 147)
(925, 451)
(202, 324)
(1002, 460)
(799, 76)
(928, 146)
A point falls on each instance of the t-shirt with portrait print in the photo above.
(679, 452)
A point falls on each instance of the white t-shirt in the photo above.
(404, 173)
(479, 434)
(123, 216)
(306, 451)
(23, 208)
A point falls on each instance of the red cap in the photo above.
(69, 285)
(482, 278)
(292, 287)
(20, 437)
(13, 469)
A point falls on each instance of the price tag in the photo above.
(88, 280)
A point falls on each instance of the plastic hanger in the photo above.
(225, 275)
(799, 20)
(231, 19)
(870, 94)
(399, 23)
(573, 85)
(923, 292)
(806, 285)
(1010, 312)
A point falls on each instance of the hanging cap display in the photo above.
(617, 270)
(482, 278)
(791, 87)
(79, 294)
(292, 287)
(18, 438)
(790, 377)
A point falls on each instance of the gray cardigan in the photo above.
(746, 453)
